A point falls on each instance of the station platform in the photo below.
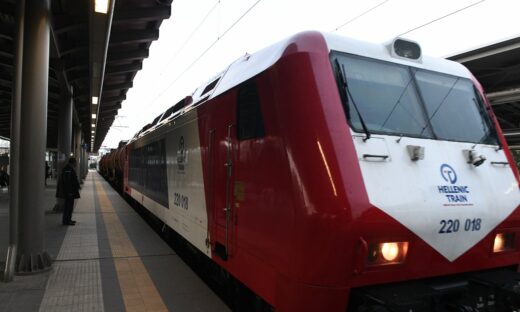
(111, 260)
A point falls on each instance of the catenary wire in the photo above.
(185, 43)
(206, 50)
(442, 17)
(256, 3)
(359, 16)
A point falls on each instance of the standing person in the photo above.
(68, 189)
(4, 177)
(46, 171)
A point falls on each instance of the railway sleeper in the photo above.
(487, 291)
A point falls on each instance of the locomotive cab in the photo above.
(432, 160)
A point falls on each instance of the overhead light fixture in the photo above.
(101, 6)
(95, 100)
(93, 125)
(93, 116)
(93, 131)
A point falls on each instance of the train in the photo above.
(324, 173)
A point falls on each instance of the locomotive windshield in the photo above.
(388, 98)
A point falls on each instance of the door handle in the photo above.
(229, 166)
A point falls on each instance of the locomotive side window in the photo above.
(211, 86)
(147, 171)
(135, 173)
(250, 124)
(156, 179)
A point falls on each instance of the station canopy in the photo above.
(82, 61)
(497, 67)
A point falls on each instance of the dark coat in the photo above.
(4, 178)
(68, 184)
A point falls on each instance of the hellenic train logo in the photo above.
(455, 195)
(448, 174)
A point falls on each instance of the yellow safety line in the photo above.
(138, 290)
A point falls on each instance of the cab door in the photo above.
(239, 119)
(225, 155)
(221, 158)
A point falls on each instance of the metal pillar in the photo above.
(64, 139)
(87, 157)
(85, 162)
(14, 145)
(65, 131)
(32, 257)
(77, 151)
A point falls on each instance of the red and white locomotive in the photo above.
(329, 174)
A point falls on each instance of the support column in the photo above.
(65, 131)
(32, 257)
(64, 138)
(87, 155)
(14, 144)
(85, 162)
(77, 151)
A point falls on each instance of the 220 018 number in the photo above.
(181, 201)
(453, 225)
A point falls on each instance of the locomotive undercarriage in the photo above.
(487, 291)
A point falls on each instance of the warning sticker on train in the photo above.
(181, 156)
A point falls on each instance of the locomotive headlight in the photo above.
(387, 253)
(503, 242)
(390, 251)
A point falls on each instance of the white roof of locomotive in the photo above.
(251, 65)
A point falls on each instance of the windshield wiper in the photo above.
(345, 95)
